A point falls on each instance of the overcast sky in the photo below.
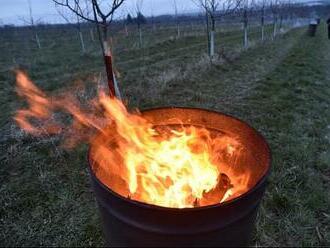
(11, 11)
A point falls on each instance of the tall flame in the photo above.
(182, 166)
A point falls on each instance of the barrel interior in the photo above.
(253, 163)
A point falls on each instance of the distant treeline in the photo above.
(297, 11)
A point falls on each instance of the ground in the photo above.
(280, 87)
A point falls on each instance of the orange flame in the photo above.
(174, 167)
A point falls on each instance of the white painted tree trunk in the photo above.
(140, 37)
(275, 30)
(82, 43)
(212, 41)
(208, 33)
(91, 33)
(263, 23)
(38, 40)
(246, 41)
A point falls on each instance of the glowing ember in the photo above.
(173, 166)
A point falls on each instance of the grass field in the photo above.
(280, 87)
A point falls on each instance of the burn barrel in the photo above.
(131, 223)
(312, 28)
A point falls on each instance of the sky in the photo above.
(15, 11)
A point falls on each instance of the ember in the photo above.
(177, 166)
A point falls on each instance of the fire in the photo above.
(172, 166)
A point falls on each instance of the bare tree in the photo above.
(176, 19)
(245, 11)
(102, 16)
(152, 15)
(140, 19)
(126, 23)
(284, 9)
(216, 9)
(210, 7)
(72, 18)
(291, 11)
(129, 21)
(274, 6)
(32, 23)
(285, 12)
(262, 9)
(207, 21)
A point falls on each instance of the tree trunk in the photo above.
(208, 34)
(263, 26)
(246, 41)
(91, 32)
(82, 43)
(281, 22)
(126, 30)
(274, 28)
(37, 40)
(291, 20)
(112, 82)
(178, 30)
(212, 41)
(140, 37)
(245, 27)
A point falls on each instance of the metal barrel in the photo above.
(131, 223)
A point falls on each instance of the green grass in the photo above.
(282, 88)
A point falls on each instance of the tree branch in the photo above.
(74, 9)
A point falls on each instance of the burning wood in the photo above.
(218, 193)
